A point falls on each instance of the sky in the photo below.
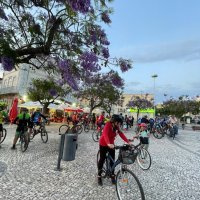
(161, 37)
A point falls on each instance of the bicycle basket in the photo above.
(128, 156)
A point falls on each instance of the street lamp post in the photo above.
(154, 87)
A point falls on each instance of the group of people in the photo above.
(24, 122)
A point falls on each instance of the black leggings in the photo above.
(103, 151)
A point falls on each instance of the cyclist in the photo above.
(145, 119)
(173, 121)
(36, 119)
(101, 120)
(106, 144)
(36, 116)
(23, 122)
(2, 116)
(143, 135)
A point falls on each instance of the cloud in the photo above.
(184, 50)
(132, 84)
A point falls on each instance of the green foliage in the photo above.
(40, 90)
(3, 105)
(179, 107)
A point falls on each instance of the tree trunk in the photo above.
(138, 111)
(45, 109)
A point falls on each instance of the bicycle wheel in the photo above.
(77, 129)
(3, 135)
(103, 172)
(24, 142)
(96, 135)
(87, 128)
(158, 134)
(44, 135)
(128, 186)
(144, 159)
(63, 129)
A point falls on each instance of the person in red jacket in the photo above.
(106, 144)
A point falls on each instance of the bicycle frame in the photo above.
(110, 169)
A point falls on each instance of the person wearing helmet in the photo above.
(36, 117)
(143, 135)
(106, 143)
(23, 122)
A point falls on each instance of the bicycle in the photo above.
(23, 140)
(3, 135)
(41, 130)
(125, 178)
(76, 128)
(143, 156)
(97, 133)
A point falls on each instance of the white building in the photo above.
(15, 83)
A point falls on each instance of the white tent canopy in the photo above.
(31, 104)
(36, 104)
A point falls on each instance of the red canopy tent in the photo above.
(73, 110)
(13, 111)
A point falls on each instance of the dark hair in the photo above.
(116, 118)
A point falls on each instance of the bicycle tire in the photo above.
(96, 135)
(44, 135)
(63, 129)
(103, 173)
(141, 159)
(23, 142)
(77, 129)
(86, 128)
(158, 135)
(126, 178)
(3, 135)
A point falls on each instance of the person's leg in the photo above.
(103, 151)
(112, 154)
(15, 140)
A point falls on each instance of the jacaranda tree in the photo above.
(46, 92)
(100, 92)
(59, 35)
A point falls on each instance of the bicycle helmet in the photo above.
(116, 118)
(143, 125)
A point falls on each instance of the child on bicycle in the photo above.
(143, 134)
(106, 144)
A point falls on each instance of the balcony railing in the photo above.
(9, 90)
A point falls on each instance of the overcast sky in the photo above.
(162, 37)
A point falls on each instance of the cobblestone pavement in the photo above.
(174, 174)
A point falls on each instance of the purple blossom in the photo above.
(53, 92)
(124, 65)
(105, 42)
(63, 65)
(105, 53)
(88, 60)
(116, 80)
(105, 17)
(82, 6)
(7, 63)
(2, 14)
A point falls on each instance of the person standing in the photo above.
(106, 144)
(2, 116)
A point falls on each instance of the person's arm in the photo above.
(15, 120)
(105, 133)
(42, 116)
(123, 137)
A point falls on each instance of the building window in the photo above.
(13, 80)
(10, 81)
(5, 82)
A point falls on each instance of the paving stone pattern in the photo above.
(174, 174)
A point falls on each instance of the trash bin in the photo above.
(70, 145)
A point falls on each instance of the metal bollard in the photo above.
(61, 147)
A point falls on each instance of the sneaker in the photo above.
(113, 180)
(99, 180)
